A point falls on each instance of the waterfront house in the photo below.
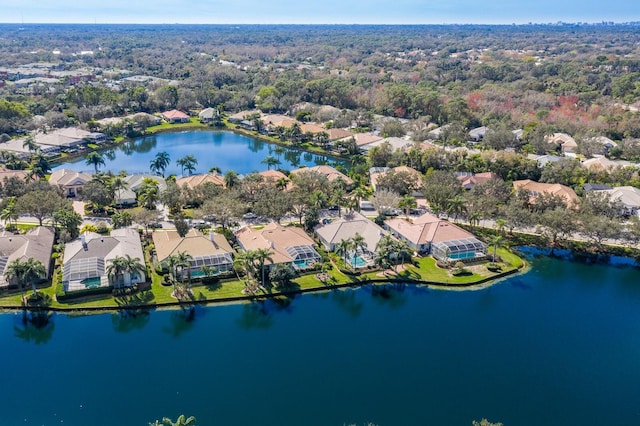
(428, 234)
(288, 245)
(174, 116)
(37, 243)
(346, 228)
(207, 115)
(86, 259)
(70, 181)
(212, 250)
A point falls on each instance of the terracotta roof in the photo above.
(20, 174)
(274, 237)
(535, 188)
(335, 134)
(174, 114)
(194, 243)
(194, 181)
(563, 139)
(477, 179)
(427, 229)
(328, 171)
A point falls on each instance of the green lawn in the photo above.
(425, 269)
(192, 124)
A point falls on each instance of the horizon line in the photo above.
(531, 23)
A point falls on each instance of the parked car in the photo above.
(249, 216)
(155, 225)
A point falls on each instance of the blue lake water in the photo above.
(559, 345)
(223, 149)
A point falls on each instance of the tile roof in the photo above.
(274, 237)
(347, 227)
(427, 229)
(195, 243)
(196, 180)
(36, 243)
(534, 188)
(328, 171)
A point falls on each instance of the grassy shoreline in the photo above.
(423, 272)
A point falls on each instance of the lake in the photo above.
(559, 345)
(223, 149)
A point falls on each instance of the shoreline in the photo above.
(480, 284)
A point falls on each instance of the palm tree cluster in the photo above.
(252, 263)
(391, 252)
(178, 264)
(348, 248)
(121, 266)
(25, 272)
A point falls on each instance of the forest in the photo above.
(578, 79)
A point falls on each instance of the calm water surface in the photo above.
(223, 149)
(558, 346)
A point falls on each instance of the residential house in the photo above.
(338, 134)
(601, 163)
(376, 173)
(595, 187)
(71, 137)
(194, 181)
(535, 188)
(444, 240)
(86, 259)
(287, 245)
(346, 228)
(543, 160)
(242, 115)
(6, 174)
(477, 134)
(174, 116)
(396, 143)
(212, 250)
(69, 180)
(328, 171)
(361, 139)
(566, 142)
(626, 197)
(37, 243)
(207, 115)
(468, 182)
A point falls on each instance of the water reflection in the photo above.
(347, 301)
(35, 327)
(129, 319)
(392, 294)
(182, 320)
(259, 314)
(256, 145)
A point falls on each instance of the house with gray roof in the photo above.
(626, 197)
(70, 181)
(347, 227)
(86, 259)
(37, 243)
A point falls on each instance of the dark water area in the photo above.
(223, 149)
(559, 345)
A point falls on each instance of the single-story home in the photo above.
(346, 228)
(534, 188)
(194, 181)
(69, 180)
(361, 139)
(207, 115)
(566, 142)
(477, 134)
(287, 245)
(37, 243)
(328, 171)
(468, 182)
(86, 259)
(175, 116)
(396, 143)
(212, 250)
(376, 173)
(627, 197)
(444, 240)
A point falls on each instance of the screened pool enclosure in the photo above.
(463, 249)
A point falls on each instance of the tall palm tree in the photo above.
(231, 179)
(360, 193)
(10, 212)
(401, 251)
(116, 270)
(25, 272)
(134, 266)
(160, 163)
(115, 185)
(497, 241)
(94, 159)
(270, 161)
(183, 261)
(407, 203)
(40, 165)
(342, 249)
(30, 144)
(358, 243)
(261, 257)
(148, 193)
(188, 163)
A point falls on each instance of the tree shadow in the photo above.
(392, 295)
(35, 326)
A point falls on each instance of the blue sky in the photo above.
(318, 12)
